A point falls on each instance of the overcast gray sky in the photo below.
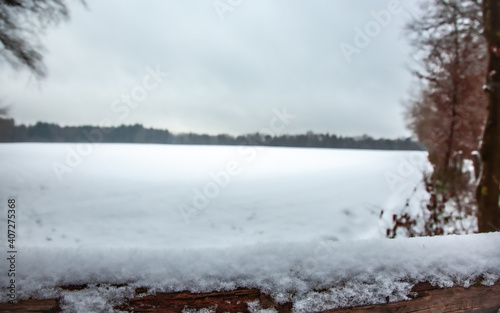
(230, 63)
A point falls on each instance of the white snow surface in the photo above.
(130, 195)
(291, 222)
(348, 273)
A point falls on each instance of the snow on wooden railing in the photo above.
(322, 276)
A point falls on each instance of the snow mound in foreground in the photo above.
(346, 273)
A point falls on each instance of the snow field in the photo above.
(166, 196)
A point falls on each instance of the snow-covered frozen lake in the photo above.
(172, 196)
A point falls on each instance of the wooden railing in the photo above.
(477, 299)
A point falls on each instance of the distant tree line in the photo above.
(46, 132)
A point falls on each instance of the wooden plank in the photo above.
(224, 301)
(475, 299)
(429, 299)
(32, 305)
